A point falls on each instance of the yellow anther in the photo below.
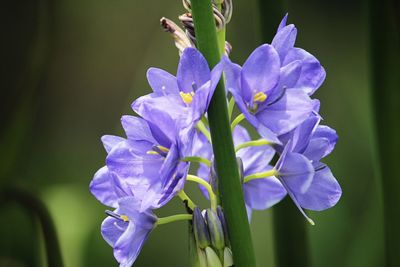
(259, 97)
(163, 149)
(187, 97)
(151, 152)
(124, 218)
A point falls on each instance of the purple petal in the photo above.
(260, 72)
(193, 70)
(302, 134)
(262, 194)
(135, 170)
(289, 76)
(312, 75)
(233, 83)
(284, 40)
(267, 134)
(328, 133)
(316, 149)
(175, 184)
(290, 111)
(295, 171)
(162, 82)
(296, 174)
(102, 187)
(323, 193)
(240, 135)
(164, 116)
(109, 141)
(137, 129)
(283, 22)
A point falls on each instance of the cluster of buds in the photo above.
(186, 37)
(211, 237)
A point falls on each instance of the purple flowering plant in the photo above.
(171, 143)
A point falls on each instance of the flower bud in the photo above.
(221, 217)
(202, 258)
(215, 229)
(200, 229)
(212, 258)
(228, 260)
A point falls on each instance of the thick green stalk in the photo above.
(385, 52)
(230, 188)
(291, 239)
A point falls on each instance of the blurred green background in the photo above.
(71, 68)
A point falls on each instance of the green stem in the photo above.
(261, 142)
(385, 53)
(213, 198)
(174, 218)
(289, 239)
(259, 175)
(236, 121)
(202, 128)
(229, 185)
(185, 198)
(198, 160)
(231, 105)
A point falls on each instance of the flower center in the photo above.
(187, 97)
(259, 97)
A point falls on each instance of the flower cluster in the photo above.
(272, 91)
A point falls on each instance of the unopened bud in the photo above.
(202, 258)
(212, 258)
(215, 229)
(228, 260)
(221, 217)
(200, 229)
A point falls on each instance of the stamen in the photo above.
(123, 218)
(194, 86)
(187, 97)
(161, 150)
(279, 97)
(259, 97)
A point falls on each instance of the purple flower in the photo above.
(314, 187)
(311, 73)
(265, 92)
(146, 165)
(187, 95)
(126, 229)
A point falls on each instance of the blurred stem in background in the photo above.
(17, 124)
(385, 52)
(229, 184)
(37, 208)
(290, 228)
